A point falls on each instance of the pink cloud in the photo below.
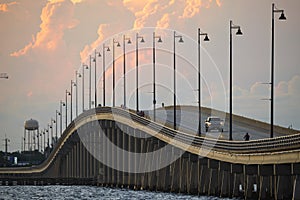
(56, 17)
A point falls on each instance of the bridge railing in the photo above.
(288, 142)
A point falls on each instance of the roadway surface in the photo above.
(187, 121)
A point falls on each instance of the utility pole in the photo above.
(6, 141)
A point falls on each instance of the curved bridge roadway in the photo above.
(257, 162)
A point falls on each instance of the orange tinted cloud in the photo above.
(155, 12)
(103, 28)
(4, 6)
(143, 10)
(164, 22)
(192, 7)
(56, 17)
(218, 2)
(73, 1)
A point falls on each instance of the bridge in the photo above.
(114, 147)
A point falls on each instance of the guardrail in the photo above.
(288, 142)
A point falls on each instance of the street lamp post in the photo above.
(199, 76)
(114, 71)
(239, 32)
(124, 65)
(90, 83)
(84, 66)
(282, 17)
(38, 141)
(41, 140)
(47, 131)
(154, 86)
(44, 132)
(73, 84)
(77, 75)
(95, 61)
(137, 67)
(174, 75)
(67, 93)
(56, 113)
(60, 111)
(52, 121)
(103, 72)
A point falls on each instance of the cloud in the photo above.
(154, 12)
(56, 17)
(76, 1)
(294, 86)
(192, 7)
(102, 31)
(282, 88)
(259, 89)
(5, 6)
(219, 3)
(164, 22)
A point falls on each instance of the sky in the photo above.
(43, 44)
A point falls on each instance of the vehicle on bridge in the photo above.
(214, 123)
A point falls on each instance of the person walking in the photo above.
(247, 137)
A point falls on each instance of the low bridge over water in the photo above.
(114, 147)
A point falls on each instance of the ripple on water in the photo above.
(86, 192)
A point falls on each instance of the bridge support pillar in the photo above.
(120, 142)
(152, 146)
(137, 146)
(237, 171)
(184, 172)
(176, 171)
(130, 160)
(225, 179)
(110, 154)
(266, 173)
(213, 188)
(163, 182)
(141, 178)
(296, 187)
(193, 174)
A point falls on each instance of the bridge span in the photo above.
(114, 147)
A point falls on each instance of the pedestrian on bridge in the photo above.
(247, 137)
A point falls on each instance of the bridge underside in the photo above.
(97, 154)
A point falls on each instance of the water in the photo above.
(85, 192)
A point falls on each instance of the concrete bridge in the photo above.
(117, 148)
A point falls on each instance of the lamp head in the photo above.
(118, 44)
(129, 41)
(239, 32)
(99, 54)
(79, 75)
(206, 39)
(282, 16)
(108, 49)
(180, 40)
(159, 40)
(142, 40)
